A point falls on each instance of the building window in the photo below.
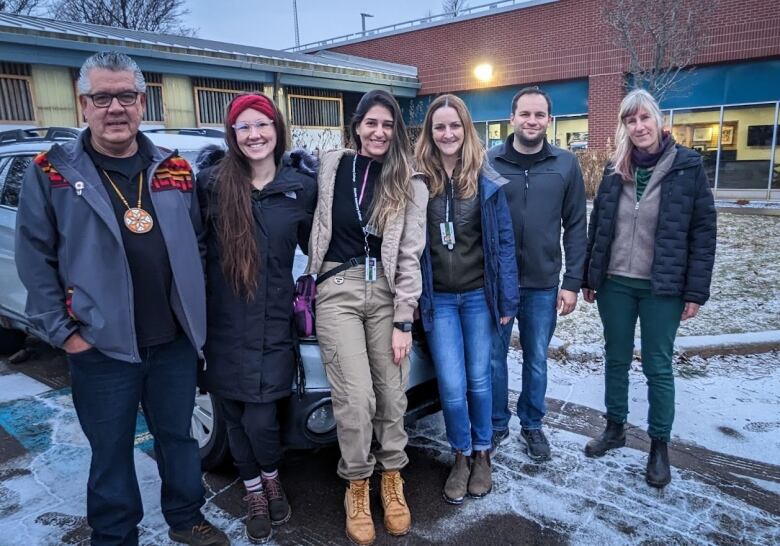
(16, 100)
(745, 146)
(154, 98)
(315, 117)
(212, 97)
(320, 112)
(571, 132)
(698, 129)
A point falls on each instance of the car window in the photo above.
(13, 180)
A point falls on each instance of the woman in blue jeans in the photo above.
(469, 284)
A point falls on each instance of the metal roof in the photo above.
(342, 67)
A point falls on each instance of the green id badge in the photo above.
(447, 234)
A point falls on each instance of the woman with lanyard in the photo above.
(365, 247)
(469, 284)
(256, 208)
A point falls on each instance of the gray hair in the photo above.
(113, 61)
(636, 99)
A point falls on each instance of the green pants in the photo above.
(620, 302)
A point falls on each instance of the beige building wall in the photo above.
(178, 102)
(54, 95)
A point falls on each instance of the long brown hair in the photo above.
(240, 258)
(394, 189)
(472, 154)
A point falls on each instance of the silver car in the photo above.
(307, 417)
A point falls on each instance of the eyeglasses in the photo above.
(104, 100)
(264, 127)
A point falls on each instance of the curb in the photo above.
(704, 346)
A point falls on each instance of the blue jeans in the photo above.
(536, 319)
(460, 346)
(106, 393)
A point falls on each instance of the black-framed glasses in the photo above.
(104, 100)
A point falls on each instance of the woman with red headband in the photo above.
(365, 247)
(256, 208)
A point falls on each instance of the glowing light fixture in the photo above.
(484, 72)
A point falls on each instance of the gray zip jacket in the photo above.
(70, 256)
(542, 199)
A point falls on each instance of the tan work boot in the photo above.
(360, 526)
(398, 520)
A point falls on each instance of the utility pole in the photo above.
(295, 16)
(363, 20)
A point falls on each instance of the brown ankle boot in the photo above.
(398, 520)
(360, 526)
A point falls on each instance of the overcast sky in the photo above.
(269, 23)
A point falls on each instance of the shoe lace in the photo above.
(204, 529)
(359, 496)
(258, 504)
(393, 487)
(273, 488)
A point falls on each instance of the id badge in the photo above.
(447, 234)
(370, 269)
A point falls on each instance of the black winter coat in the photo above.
(249, 344)
(684, 251)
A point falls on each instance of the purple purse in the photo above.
(303, 305)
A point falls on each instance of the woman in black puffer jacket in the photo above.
(651, 249)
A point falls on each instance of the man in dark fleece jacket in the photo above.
(545, 192)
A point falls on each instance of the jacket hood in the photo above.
(299, 159)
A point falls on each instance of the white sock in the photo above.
(254, 485)
(270, 476)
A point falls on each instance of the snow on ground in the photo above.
(745, 288)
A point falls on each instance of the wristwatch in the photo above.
(403, 326)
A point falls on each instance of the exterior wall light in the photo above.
(484, 72)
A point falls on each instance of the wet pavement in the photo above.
(714, 498)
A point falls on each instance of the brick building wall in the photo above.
(561, 41)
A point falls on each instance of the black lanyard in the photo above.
(449, 196)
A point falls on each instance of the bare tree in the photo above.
(661, 38)
(21, 7)
(453, 7)
(163, 16)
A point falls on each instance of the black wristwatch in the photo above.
(403, 326)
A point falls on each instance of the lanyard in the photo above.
(359, 200)
(449, 195)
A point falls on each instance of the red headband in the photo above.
(261, 103)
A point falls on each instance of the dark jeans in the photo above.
(253, 435)
(536, 320)
(106, 393)
(620, 303)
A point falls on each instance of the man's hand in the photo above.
(567, 301)
(690, 311)
(402, 345)
(76, 344)
(589, 295)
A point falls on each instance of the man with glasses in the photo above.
(107, 247)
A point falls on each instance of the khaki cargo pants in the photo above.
(354, 330)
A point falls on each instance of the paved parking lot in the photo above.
(714, 498)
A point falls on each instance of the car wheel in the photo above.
(11, 340)
(208, 428)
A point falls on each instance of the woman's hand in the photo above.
(505, 320)
(589, 295)
(76, 344)
(690, 311)
(402, 345)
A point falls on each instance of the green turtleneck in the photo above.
(641, 178)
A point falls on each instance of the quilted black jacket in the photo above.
(685, 237)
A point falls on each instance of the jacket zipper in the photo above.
(525, 206)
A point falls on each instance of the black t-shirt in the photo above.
(147, 255)
(525, 161)
(347, 234)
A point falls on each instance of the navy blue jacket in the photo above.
(498, 244)
(684, 252)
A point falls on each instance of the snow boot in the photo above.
(614, 436)
(658, 473)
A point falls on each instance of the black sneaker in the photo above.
(277, 501)
(202, 534)
(499, 438)
(537, 447)
(258, 521)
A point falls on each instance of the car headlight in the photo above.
(321, 420)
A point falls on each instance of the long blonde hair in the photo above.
(394, 189)
(472, 154)
(631, 103)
